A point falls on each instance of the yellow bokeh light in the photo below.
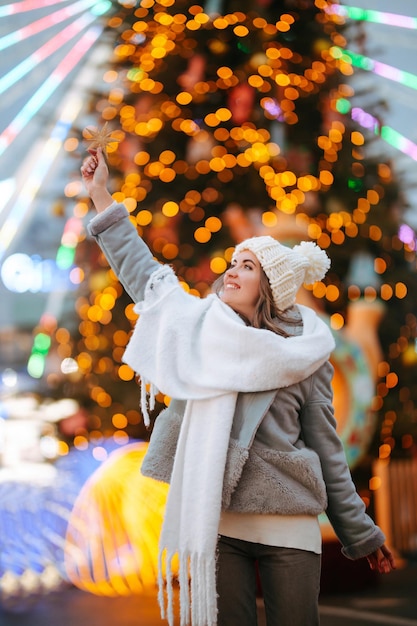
(372, 196)
(375, 483)
(170, 251)
(380, 265)
(218, 265)
(241, 31)
(84, 361)
(400, 290)
(391, 380)
(167, 157)
(282, 80)
(80, 442)
(338, 237)
(144, 217)
(125, 373)
(224, 72)
(212, 120)
(337, 321)
(357, 138)
(63, 448)
(269, 219)
(119, 420)
(354, 293)
(283, 27)
(223, 114)
(167, 175)
(370, 294)
(184, 97)
(288, 179)
(220, 23)
(202, 235)
(314, 231)
(217, 164)
(384, 451)
(170, 209)
(387, 292)
(213, 223)
(326, 177)
(255, 81)
(107, 301)
(131, 313)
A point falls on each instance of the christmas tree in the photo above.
(234, 119)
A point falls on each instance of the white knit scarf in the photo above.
(201, 351)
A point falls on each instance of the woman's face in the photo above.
(241, 284)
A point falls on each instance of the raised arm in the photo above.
(95, 176)
(127, 254)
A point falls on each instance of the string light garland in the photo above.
(370, 15)
(43, 24)
(381, 69)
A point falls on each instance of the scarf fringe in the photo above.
(147, 399)
(166, 607)
(196, 573)
(203, 605)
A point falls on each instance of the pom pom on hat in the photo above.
(287, 268)
(318, 261)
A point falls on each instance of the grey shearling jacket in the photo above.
(284, 456)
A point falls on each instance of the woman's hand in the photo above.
(382, 560)
(95, 175)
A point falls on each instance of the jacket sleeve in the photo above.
(127, 254)
(346, 511)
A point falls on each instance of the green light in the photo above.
(359, 60)
(101, 8)
(355, 185)
(370, 65)
(378, 17)
(36, 365)
(37, 360)
(355, 13)
(135, 74)
(343, 106)
(41, 343)
(241, 46)
(65, 257)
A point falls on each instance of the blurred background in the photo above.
(292, 118)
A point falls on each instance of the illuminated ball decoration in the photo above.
(354, 389)
(113, 532)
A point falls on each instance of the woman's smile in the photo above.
(241, 284)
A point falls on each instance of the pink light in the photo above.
(366, 120)
(387, 71)
(407, 235)
(370, 15)
(402, 21)
(48, 87)
(63, 37)
(71, 60)
(46, 22)
(45, 51)
(26, 5)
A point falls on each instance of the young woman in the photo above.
(248, 442)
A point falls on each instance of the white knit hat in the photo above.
(287, 268)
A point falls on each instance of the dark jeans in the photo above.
(290, 581)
